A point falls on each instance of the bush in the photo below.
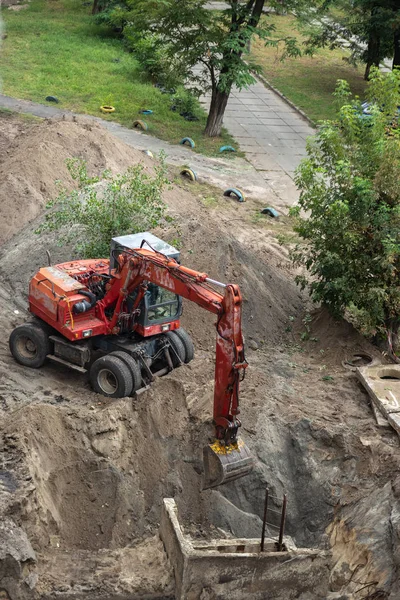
(350, 192)
(107, 206)
(185, 102)
(152, 55)
(113, 14)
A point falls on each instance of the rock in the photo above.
(340, 575)
(252, 344)
(14, 543)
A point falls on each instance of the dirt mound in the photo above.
(34, 160)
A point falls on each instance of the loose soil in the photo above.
(83, 477)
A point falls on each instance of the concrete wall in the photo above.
(236, 569)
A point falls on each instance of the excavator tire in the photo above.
(178, 353)
(187, 343)
(30, 344)
(111, 377)
(133, 366)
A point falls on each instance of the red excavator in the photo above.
(119, 319)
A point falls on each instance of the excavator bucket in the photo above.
(225, 463)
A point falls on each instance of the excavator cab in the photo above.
(159, 306)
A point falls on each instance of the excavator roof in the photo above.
(141, 240)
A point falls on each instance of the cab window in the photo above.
(162, 303)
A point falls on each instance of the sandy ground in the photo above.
(81, 474)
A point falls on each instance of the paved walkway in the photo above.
(272, 134)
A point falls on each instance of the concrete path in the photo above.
(272, 134)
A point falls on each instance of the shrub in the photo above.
(350, 194)
(152, 55)
(185, 102)
(106, 206)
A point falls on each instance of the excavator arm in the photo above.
(228, 458)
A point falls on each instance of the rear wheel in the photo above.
(133, 367)
(29, 345)
(177, 350)
(187, 343)
(111, 377)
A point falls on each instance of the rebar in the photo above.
(282, 527)
(264, 520)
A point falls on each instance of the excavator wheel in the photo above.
(177, 351)
(111, 377)
(187, 342)
(30, 344)
(133, 366)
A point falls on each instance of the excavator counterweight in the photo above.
(127, 310)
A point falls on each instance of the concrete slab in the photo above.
(237, 569)
(381, 421)
(303, 129)
(248, 121)
(394, 421)
(270, 120)
(382, 382)
(291, 135)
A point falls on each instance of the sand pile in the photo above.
(35, 158)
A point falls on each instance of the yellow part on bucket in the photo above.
(220, 448)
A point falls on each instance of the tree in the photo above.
(350, 191)
(104, 207)
(371, 28)
(212, 41)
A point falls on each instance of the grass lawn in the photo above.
(54, 48)
(306, 81)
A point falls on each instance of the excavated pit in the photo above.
(83, 479)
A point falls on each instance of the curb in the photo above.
(283, 97)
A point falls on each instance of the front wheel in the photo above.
(133, 366)
(29, 345)
(111, 377)
(187, 343)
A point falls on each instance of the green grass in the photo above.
(54, 48)
(306, 81)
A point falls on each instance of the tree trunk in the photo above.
(392, 328)
(373, 53)
(396, 55)
(219, 100)
(95, 7)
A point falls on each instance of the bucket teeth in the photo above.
(225, 463)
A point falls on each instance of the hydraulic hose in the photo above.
(84, 305)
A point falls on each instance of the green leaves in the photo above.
(105, 207)
(350, 191)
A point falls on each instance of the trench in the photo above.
(100, 476)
